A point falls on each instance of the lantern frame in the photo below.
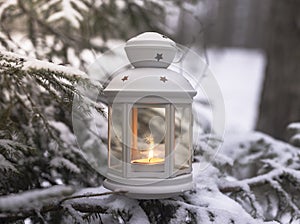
(177, 93)
(149, 85)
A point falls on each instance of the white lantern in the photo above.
(150, 123)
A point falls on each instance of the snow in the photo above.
(261, 161)
(111, 203)
(208, 191)
(68, 12)
(30, 63)
(65, 134)
(92, 190)
(295, 139)
(294, 126)
(207, 203)
(239, 73)
(71, 55)
(235, 145)
(33, 198)
(6, 4)
(6, 165)
(294, 129)
(10, 43)
(62, 162)
(236, 89)
(33, 63)
(27, 221)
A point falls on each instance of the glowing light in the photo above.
(149, 140)
(150, 155)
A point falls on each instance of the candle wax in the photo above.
(148, 161)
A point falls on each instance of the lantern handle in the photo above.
(180, 50)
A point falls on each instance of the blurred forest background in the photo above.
(58, 33)
(253, 49)
(273, 28)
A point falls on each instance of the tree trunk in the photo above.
(280, 102)
(237, 23)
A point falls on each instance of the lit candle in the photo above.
(151, 159)
(150, 154)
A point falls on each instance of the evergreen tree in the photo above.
(72, 31)
(43, 173)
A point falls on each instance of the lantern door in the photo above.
(116, 132)
(182, 161)
(149, 140)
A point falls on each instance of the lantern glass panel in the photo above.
(115, 136)
(182, 138)
(148, 125)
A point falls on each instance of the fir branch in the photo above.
(92, 195)
(6, 165)
(19, 210)
(30, 199)
(246, 184)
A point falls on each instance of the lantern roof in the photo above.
(150, 38)
(151, 49)
(150, 81)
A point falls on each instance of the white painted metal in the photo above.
(151, 85)
(145, 82)
(150, 50)
(143, 188)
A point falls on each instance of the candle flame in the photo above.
(149, 139)
(150, 154)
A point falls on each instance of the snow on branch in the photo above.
(33, 199)
(277, 172)
(6, 165)
(20, 206)
(6, 4)
(246, 184)
(63, 162)
(55, 79)
(263, 164)
(31, 63)
(273, 179)
(294, 129)
(295, 140)
(11, 152)
(294, 126)
(70, 10)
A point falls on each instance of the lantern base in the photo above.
(161, 188)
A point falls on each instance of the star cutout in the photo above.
(159, 57)
(163, 79)
(125, 78)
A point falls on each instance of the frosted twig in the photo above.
(91, 195)
(16, 207)
(276, 186)
(250, 182)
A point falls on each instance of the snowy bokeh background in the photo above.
(252, 178)
(240, 74)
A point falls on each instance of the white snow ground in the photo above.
(240, 74)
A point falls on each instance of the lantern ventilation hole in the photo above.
(163, 79)
(125, 78)
(159, 56)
